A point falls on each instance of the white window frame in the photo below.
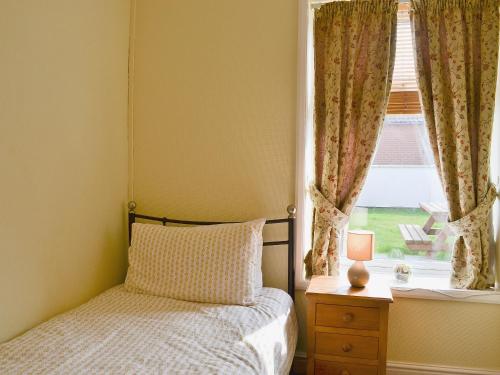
(304, 146)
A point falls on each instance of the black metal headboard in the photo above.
(290, 220)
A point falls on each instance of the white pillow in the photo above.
(209, 263)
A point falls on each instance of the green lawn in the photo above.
(384, 222)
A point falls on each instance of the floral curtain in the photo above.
(354, 47)
(456, 45)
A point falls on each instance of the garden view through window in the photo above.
(402, 200)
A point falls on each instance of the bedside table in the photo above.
(346, 327)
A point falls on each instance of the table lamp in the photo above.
(360, 246)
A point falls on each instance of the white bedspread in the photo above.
(120, 332)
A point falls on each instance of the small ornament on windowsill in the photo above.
(402, 272)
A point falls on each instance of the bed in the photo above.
(122, 332)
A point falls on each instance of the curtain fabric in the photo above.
(354, 49)
(456, 44)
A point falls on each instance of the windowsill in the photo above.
(438, 288)
(431, 288)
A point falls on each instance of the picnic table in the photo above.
(438, 214)
(417, 237)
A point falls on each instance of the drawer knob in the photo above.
(345, 372)
(346, 348)
(348, 317)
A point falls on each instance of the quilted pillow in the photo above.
(212, 263)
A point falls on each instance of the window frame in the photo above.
(304, 138)
(424, 287)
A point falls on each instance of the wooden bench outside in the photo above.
(438, 214)
(415, 237)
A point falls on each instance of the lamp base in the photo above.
(358, 275)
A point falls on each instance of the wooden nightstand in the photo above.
(346, 327)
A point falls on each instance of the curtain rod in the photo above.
(318, 3)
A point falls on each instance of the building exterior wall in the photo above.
(401, 186)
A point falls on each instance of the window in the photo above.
(402, 194)
(402, 200)
(402, 190)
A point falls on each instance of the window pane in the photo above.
(401, 193)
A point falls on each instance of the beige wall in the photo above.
(214, 126)
(63, 155)
(214, 98)
(442, 332)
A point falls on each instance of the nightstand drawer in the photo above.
(347, 316)
(347, 345)
(335, 368)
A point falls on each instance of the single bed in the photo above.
(121, 332)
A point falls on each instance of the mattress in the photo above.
(119, 332)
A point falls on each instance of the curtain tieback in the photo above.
(327, 211)
(474, 219)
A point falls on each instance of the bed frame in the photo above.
(290, 241)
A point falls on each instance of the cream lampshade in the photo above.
(360, 247)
